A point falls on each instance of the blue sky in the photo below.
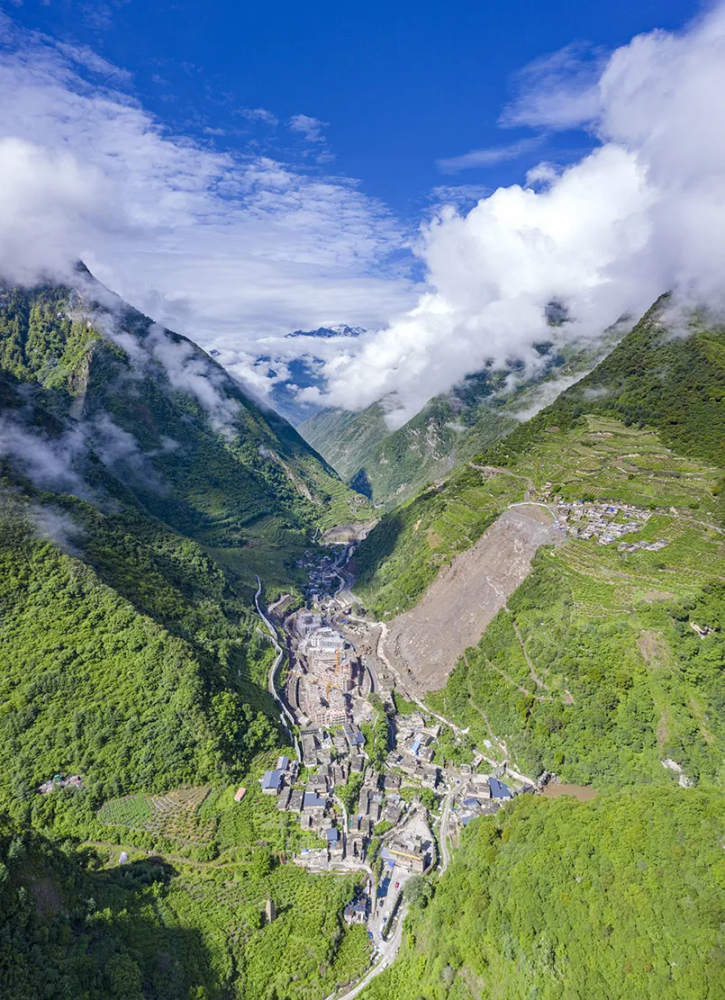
(435, 173)
(399, 85)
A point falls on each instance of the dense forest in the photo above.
(620, 897)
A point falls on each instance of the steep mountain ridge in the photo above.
(393, 466)
(141, 491)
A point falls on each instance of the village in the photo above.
(607, 523)
(387, 815)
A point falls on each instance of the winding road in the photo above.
(286, 717)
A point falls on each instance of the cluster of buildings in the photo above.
(605, 522)
(311, 803)
(322, 575)
(61, 781)
(318, 747)
(379, 801)
(415, 749)
(480, 796)
(327, 674)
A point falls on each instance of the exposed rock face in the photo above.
(455, 610)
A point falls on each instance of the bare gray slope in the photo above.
(455, 610)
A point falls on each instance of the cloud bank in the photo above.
(218, 245)
(642, 214)
(228, 248)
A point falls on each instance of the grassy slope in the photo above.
(621, 897)
(594, 670)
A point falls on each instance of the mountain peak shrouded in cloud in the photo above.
(642, 213)
(234, 242)
(236, 247)
(326, 332)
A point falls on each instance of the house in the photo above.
(295, 800)
(283, 764)
(353, 735)
(332, 835)
(284, 798)
(239, 794)
(410, 856)
(311, 802)
(356, 913)
(271, 782)
(430, 777)
(392, 782)
(317, 782)
(497, 789)
(392, 814)
(357, 765)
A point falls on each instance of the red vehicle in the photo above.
(397, 885)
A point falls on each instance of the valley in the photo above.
(280, 742)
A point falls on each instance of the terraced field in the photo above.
(173, 815)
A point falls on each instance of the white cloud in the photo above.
(310, 128)
(258, 115)
(641, 214)
(489, 157)
(558, 90)
(221, 246)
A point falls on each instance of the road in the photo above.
(387, 953)
(443, 829)
(286, 717)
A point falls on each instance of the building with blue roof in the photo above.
(498, 790)
(272, 782)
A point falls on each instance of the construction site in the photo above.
(327, 684)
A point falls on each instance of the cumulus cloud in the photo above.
(310, 128)
(218, 244)
(643, 213)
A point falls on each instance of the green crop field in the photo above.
(173, 815)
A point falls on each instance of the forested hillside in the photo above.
(140, 492)
(393, 466)
(620, 897)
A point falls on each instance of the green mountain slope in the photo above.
(605, 661)
(224, 465)
(393, 466)
(621, 897)
(140, 491)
